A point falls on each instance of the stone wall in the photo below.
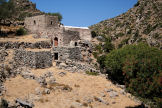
(76, 66)
(35, 24)
(40, 23)
(49, 27)
(17, 45)
(41, 59)
(84, 32)
(64, 53)
(52, 33)
(69, 36)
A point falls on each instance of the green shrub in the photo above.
(148, 29)
(101, 61)
(139, 67)
(99, 48)
(93, 33)
(95, 54)
(124, 42)
(120, 34)
(92, 73)
(21, 31)
(157, 36)
(108, 46)
(3, 104)
(137, 4)
(56, 14)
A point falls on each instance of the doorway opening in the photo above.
(55, 56)
(55, 41)
(51, 22)
(34, 22)
(76, 44)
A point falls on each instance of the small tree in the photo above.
(108, 46)
(137, 4)
(93, 33)
(3, 104)
(7, 9)
(21, 31)
(56, 14)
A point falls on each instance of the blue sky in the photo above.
(84, 13)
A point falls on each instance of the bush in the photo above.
(95, 54)
(7, 8)
(123, 42)
(99, 48)
(139, 67)
(93, 33)
(108, 46)
(21, 31)
(101, 61)
(56, 14)
(119, 34)
(137, 4)
(92, 73)
(3, 104)
(148, 29)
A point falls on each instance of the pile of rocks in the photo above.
(76, 66)
(3, 54)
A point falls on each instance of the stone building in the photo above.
(49, 27)
(71, 46)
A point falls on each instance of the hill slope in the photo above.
(18, 10)
(25, 8)
(141, 23)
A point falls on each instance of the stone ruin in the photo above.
(46, 26)
(70, 47)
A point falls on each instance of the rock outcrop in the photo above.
(24, 8)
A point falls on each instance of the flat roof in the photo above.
(76, 27)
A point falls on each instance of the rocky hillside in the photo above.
(26, 8)
(141, 23)
(22, 9)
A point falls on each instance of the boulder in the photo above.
(25, 104)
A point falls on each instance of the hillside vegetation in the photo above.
(126, 50)
(139, 67)
(15, 11)
(141, 23)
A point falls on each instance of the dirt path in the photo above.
(87, 91)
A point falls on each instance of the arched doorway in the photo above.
(55, 41)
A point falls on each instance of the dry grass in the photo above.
(85, 104)
(76, 85)
(43, 100)
(59, 86)
(89, 86)
(9, 28)
(78, 101)
(25, 38)
(72, 107)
